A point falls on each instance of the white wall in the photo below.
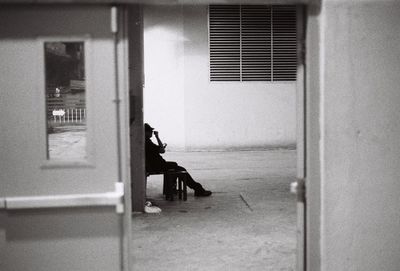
(194, 113)
(164, 74)
(360, 98)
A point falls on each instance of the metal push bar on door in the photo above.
(65, 201)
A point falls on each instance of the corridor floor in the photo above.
(249, 222)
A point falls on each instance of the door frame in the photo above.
(314, 74)
(301, 142)
(308, 208)
(119, 17)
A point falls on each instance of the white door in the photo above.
(63, 144)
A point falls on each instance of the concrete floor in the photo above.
(249, 222)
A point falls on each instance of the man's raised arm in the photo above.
(159, 142)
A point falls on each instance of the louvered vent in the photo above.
(284, 43)
(225, 43)
(252, 43)
(256, 43)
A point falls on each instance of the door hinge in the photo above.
(2, 203)
(303, 50)
(114, 20)
(299, 188)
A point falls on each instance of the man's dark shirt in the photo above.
(154, 161)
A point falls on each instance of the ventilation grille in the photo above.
(256, 43)
(225, 43)
(252, 43)
(284, 43)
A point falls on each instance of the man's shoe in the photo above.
(149, 208)
(202, 193)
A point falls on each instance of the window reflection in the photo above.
(65, 100)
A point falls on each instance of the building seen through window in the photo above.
(65, 100)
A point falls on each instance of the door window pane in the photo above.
(65, 100)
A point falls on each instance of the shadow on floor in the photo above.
(249, 223)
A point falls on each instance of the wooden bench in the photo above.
(169, 182)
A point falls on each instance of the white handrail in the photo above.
(61, 201)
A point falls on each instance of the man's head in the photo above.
(148, 130)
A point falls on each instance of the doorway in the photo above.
(172, 88)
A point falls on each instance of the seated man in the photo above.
(155, 162)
